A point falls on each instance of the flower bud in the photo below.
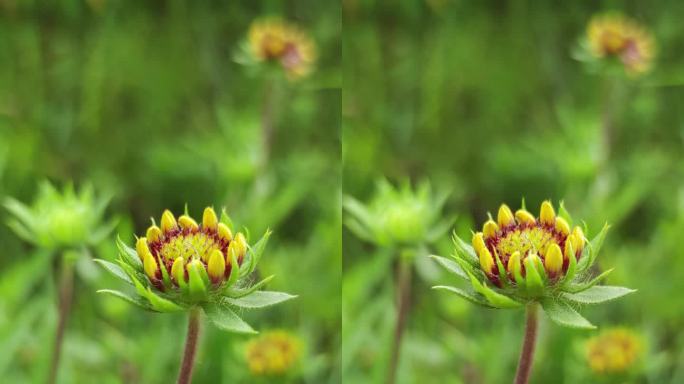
(196, 278)
(154, 234)
(478, 242)
(142, 248)
(524, 217)
(239, 246)
(490, 229)
(562, 226)
(209, 219)
(505, 216)
(533, 279)
(553, 260)
(578, 242)
(217, 266)
(546, 214)
(150, 266)
(224, 232)
(486, 261)
(178, 271)
(514, 267)
(168, 222)
(187, 223)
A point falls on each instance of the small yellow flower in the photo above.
(278, 41)
(273, 353)
(613, 351)
(614, 35)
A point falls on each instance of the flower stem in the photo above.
(403, 305)
(522, 376)
(66, 288)
(185, 374)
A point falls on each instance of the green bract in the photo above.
(67, 219)
(521, 259)
(398, 216)
(181, 265)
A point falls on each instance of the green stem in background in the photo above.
(403, 290)
(66, 290)
(185, 374)
(522, 375)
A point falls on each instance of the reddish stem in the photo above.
(403, 305)
(66, 288)
(185, 374)
(522, 376)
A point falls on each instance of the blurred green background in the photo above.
(485, 99)
(145, 101)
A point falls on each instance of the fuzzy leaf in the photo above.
(133, 300)
(226, 319)
(451, 266)
(240, 292)
(129, 254)
(470, 296)
(161, 304)
(260, 299)
(578, 287)
(598, 294)
(115, 270)
(465, 249)
(257, 250)
(561, 313)
(591, 250)
(494, 298)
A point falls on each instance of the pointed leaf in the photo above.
(470, 296)
(561, 313)
(451, 266)
(598, 294)
(132, 300)
(260, 299)
(115, 270)
(581, 286)
(226, 319)
(494, 298)
(257, 250)
(129, 254)
(592, 249)
(240, 292)
(161, 304)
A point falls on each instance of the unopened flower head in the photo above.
(613, 35)
(613, 351)
(57, 219)
(398, 216)
(273, 353)
(275, 40)
(522, 242)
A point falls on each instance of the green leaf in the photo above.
(129, 254)
(161, 304)
(226, 319)
(451, 266)
(115, 270)
(240, 292)
(578, 287)
(494, 298)
(598, 294)
(260, 299)
(562, 212)
(470, 296)
(257, 250)
(22, 212)
(592, 249)
(561, 313)
(465, 249)
(133, 300)
(225, 219)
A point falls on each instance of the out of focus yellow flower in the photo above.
(613, 351)
(273, 353)
(275, 40)
(617, 36)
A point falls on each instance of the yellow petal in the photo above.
(562, 226)
(524, 217)
(546, 214)
(217, 266)
(579, 240)
(142, 248)
(178, 270)
(569, 247)
(486, 260)
(154, 234)
(209, 219)
(238, 246)
(150, 266)
(553, 260)
(168, 222)
(224, 232)
(187, 222)
(490, 229)
(513, 262)
(478, 242)
(505, 216)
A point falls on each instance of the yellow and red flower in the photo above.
(613, 351)
(273, 353)
(275, 40)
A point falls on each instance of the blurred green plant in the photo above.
(529, 262)
(182, 266)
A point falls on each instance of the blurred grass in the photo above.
(145, 100)
(484, 98)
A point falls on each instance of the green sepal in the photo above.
(225, 318)
(598, 294)
(579, 287)
(256, 251)
(465, 250)
(541, 269)
(503, 276)
(591, 250)
(240, 292)
(165, 274)
(533, 281)
(259, 299)
(225, 219)
(161, 304)
(234, 270)
(129, 254)
(114, 270)
(494, 298)
(450, 266)
(562, 212)
(197, 287)
(572, 268)
(470, 296)
(561, 313)
(130, 299)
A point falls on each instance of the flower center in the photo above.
(189, 244)
(526, 239)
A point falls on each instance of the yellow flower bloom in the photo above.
(614, 35)
(276, 40)
(613, 351)
(273, 353)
